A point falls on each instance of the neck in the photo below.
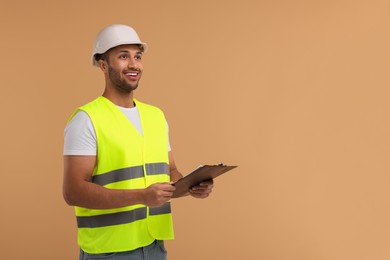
(120, 99)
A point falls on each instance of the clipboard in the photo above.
(200, 174)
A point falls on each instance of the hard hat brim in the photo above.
(144, 49)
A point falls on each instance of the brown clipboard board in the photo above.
(200, 174)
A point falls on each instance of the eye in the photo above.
(138, 57)
(124, 56)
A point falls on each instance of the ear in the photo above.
(102, 65)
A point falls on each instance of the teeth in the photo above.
(131, 74)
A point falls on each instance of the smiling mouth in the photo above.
(133, 76)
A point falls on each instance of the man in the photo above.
(118, 165)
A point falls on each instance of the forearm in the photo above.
(78, 190)
(175, 175)
(93, 196)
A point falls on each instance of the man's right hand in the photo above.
(157, 194)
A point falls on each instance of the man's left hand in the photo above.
(202, 190)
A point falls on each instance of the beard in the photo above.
(120, 83)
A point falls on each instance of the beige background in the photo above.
(294, 92)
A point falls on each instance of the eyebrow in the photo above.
(126, 51)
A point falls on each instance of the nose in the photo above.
(133, 64)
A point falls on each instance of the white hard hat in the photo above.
(115, 35)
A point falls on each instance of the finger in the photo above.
(167, 194)
(208, 182)
(205, 185)
(201, 188)
(168, 187)
(201, 191)
(199, 195)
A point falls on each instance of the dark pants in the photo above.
(154, 251)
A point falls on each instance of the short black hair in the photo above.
(103, 56)
(100, 56)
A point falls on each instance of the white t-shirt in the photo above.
(80, 137)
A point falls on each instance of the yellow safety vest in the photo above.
(126, 160)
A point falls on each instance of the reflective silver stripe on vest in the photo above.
(164, 209)
(111, 219)
(130, 173)
(120, 217)
(156, 168)
(118, 175)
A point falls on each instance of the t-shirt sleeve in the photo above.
(79, 136)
